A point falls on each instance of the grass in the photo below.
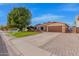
(22, 34)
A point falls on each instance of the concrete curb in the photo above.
(12, 50)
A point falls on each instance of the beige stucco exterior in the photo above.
(61, 26)
(77, 21)
(63, 29)
(58, 24)
(74, 30)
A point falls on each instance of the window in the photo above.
(41, 28)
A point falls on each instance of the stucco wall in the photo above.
(61, 27)
(77, 23)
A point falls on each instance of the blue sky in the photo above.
(44, 12)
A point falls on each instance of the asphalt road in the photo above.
(3, 48)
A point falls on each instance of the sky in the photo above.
(44, 12)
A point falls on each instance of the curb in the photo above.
(12, 50)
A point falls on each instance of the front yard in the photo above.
(22, 34)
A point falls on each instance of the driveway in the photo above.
(30, 46)
(65, 44)
(58, 44)
(40, 39)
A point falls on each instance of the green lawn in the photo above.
(22, 34)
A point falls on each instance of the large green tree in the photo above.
(19, 18)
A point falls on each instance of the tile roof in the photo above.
(50, 23)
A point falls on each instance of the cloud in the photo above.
(46, 18)
(70, 7)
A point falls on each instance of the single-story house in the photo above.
(76, 27)
(53, 27)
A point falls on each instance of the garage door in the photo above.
(54, 28)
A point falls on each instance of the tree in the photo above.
(19, 18)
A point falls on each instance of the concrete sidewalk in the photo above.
(11, 49)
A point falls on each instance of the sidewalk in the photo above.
(11, 49)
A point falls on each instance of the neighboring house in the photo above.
(76, 27)
(53, 27)
(77, 24)
(77, 21)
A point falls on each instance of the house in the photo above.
(76, 27)
(53, 27)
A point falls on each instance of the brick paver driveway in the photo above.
(65, 44)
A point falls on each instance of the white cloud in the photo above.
(47, 17)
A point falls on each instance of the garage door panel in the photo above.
(54, 28)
